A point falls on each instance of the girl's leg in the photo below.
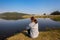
(29, 32)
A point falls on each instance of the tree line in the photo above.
(54, 13)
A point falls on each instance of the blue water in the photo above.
(8, 27)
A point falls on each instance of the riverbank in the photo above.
(55, 17)
(42, 16)
(43, 35)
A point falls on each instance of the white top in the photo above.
(34, 30)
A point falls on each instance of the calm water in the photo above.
(14, 26)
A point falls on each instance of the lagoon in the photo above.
(10, 27)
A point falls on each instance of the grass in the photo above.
(43, 35)
(56, 18)
(42, 16)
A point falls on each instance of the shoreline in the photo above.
(43, 35)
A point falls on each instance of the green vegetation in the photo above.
(12, 15)
(15, 15)
(43, 35)
(55, 17)
(55, 13)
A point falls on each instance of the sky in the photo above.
(30, 6)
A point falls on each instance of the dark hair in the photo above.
(32, 18)
(35, 20)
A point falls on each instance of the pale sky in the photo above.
(30, 6)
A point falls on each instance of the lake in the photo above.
(9, 27)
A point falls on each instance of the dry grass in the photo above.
(42, 16)
(43, 35)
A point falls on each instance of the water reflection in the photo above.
(11, 18)
(55, 19)
(11, 27)
(47, 23)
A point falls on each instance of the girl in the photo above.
(33, 31)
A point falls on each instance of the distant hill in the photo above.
(55, 13)
(12, 15)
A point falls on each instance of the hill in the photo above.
(55, 13)
(12, 15)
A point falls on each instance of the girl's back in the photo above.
(33, 30)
